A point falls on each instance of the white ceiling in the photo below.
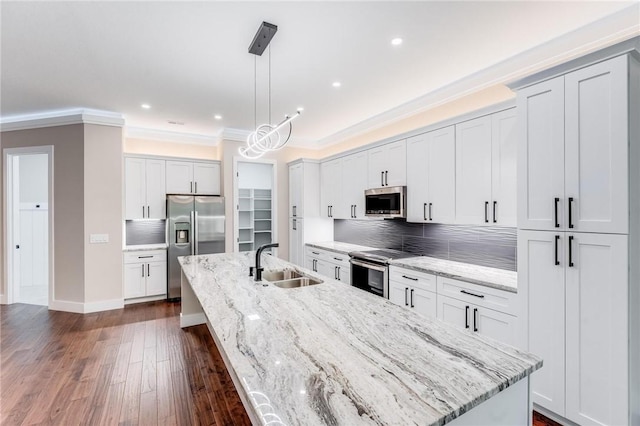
(189, 60)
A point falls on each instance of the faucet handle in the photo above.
(251, 269)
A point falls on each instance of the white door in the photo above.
(396, 164)
(423, 302)
(135, 188)
(376, 166)
(155, 189)
(330, 189)
(417, 178)
(540, 110)
(343, 274)
(179, 177)
(504, 160)
(354, 182)
(295, 190)
(398, 293)
(441, 170)
(206, 178)
(596, 147)
(473, 171)
(541, 291)
(156, 278)
(597, 329)
(494, 324)
(454, 311)
(325, 268)
(134, 280)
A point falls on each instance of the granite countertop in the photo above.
(334, 354)
(142, 247)
(338, 247)
(482, 275)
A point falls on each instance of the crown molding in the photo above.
(61, 118)
(237, 135)
(168, 136)
(608, 31)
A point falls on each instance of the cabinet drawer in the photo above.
(412, 278)
(145, 256)
(312, 252)
(487, 297)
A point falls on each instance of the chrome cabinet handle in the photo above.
(191, 183)
(142, 211)
(148, 211)
(406, 290)
(148, 270)
(142, 270)
(338, 259)
(294, 225)
(381, 178)
(486, 212)
(424, 211)
(315, 252)
(338, 273)
(410, 278)
(196, 187)
(386, 178)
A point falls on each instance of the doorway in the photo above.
(28, 224)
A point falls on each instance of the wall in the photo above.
(170, 149)
(34, 172)
(103, 193)
(480, 245)
(68, 157)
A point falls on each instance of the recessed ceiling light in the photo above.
(336, 84)
(217, 117)
(300, 109)
(396, 41)
(145, 106)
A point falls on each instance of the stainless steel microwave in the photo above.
(387, 202)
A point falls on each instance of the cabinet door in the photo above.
(473, 171)
(417, 179)
(206, 178)
(596, 147)
(398, 293)
(309, 263)
(396, 164)
(134, 280)
(134, 188)
(295, 190)
(155, 189)
(540, 110)
(423, 302)
(494, 324)
(541, 291)
(179, 177)
(296, 247)
(504, 160)
(376, 163)
(454, 312)
(344, 274)
(330, 191)
(156, 278)
(597, 329)
(441, 170)
(325, 268)
(354, 182)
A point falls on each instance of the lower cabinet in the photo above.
(415, 290)
(145, 273)
(329, 264)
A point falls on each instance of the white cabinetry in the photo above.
(145, 273)
(332, 265)
(431, 176)
(388, 165)
(415, 290)
(573, 170)
(591, 323)
(353, 185)
(486, 170)
(144, 188)
(187, 177)
(330, 188)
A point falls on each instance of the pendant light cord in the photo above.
(255, 92)
(270, 84)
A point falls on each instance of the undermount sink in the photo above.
(289, 279)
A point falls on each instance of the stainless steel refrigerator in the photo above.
(195, 226)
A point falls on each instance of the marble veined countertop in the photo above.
(482, 275)
(143, 247)
(334, 354)
(338, 247)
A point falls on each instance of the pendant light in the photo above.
(265, 137)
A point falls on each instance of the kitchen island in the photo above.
(333, 354)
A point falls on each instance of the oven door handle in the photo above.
(368, 265)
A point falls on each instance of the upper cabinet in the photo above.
(388, 165)
(354, 183)
(330, 189)
(304, 189)
(573, 167)
(486, 170)
(144, 188)
(431, 176)
(186, 177)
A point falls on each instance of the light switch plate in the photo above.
(98, 238)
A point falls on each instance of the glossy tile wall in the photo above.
(486, 246)
(145, 232)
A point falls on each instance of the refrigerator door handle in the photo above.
(193, 231)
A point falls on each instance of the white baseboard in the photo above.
(145, 299)
(192, 319)
(103, 305)
(67, 306)
(3, 299)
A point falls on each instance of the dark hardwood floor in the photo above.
(127, 366)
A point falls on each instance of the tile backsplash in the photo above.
(145, 232)
(480, 245)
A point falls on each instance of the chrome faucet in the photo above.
(258, 268)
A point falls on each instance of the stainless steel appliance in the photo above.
(195, 225)
(386, 202)
(370, 269)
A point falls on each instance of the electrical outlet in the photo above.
(98, 238)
